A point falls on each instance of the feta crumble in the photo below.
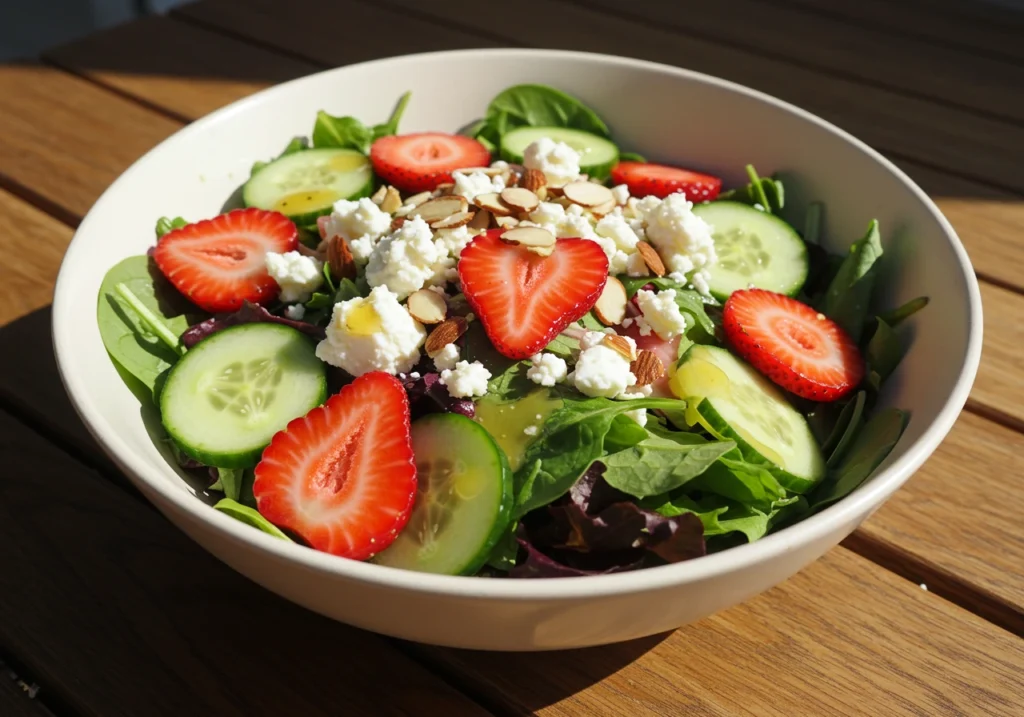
(475, 183)
(295, 312)
(546, 369)
(446, 358)
(298, 275)
(600, 370)
(466, 380)
(661, 312)
(361, 223)
(682, 238)
(407, 259)
(559, 162)
(639, 415)
(531, 430)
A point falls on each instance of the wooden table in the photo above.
(109, 610)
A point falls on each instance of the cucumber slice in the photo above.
(463, 498)
(732, 400)
(754, 249)
(305, 185)
(227, 397)
(598, 155)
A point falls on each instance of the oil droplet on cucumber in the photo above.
(507, 422)
(302, 202)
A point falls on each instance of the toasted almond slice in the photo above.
(602, 209)
(454, 221)
(530, 237)
(532, 179)
(480, 220)
(492, 203)
(651, 258)
(417, 199)
(392, 201)
(378, 196)
(554, 191)
(588, 194)
(506, 222)
(339, 257)
(427, 307)
(519, 198)
(611, 305)
(489, 171)
(621, 345)
(444, 190)
(440, 208)
(445, 333)
(541, 250)
(647, 368)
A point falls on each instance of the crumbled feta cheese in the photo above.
(476, 183)
(548, 213)
(621, 194)
(662, 313)
(298, 275)
(638, 392)
(407, 259)
(295, 312)
(639, 415)
(636, 266)
(361, 223)
(547, 369)
(600, 370)
(466, 380)
(642, 325)
(455, 240)
(559, 162)
(531, 430)
(700, 281)
(616, 228)
(447, 357)
(681, 237)
(372, 334)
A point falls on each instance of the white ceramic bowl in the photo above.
(665, 113)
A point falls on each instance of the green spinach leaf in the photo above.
(631, 157)
(660, 464)
(849, 295)
(250, 516)
(689, 301)
(884, 352)
(350, 133)
(563, 346)
(737, 479)
(297, 144)
(165, 225)
(764, 192)
(849, 422)
(533, 105)
(812, 223)
(624, 433)
(229, 482)
(902, 313)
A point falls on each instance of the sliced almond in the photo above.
(440, 208)
(647, 368)
(621, 345)
(611, 305)
(492, 203)
(445, 333)
(427, 307)
(489, 171)
(444, 189)
(520, 199)
(454, 221)
(480, 220)
(602, 209)
(510, 178)
(378, 196)
(532, 179)
(392, 201)
(588, 194)
(339, 258)
(529, 236)
(417, 199)
(554, 191)
(506, 222)
(651, 258)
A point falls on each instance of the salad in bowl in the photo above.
(518, 351)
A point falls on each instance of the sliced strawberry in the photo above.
(798, 348)
(219, 263)
(524, 300)
(343, 477)
(659, 180)
(419, 162)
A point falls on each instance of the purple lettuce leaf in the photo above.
(249, 314)
(428, 395)
(538, 565)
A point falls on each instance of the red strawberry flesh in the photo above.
(659, 180)
(342, 477)
(523, 299)
(420, 162)
(798, 348)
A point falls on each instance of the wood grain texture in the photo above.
(178, 67)
(15, 703)
(960, 515)
(999, 384)
(66, 139)
(118, 613)
(27, 277)
(938, 135)
(841, 638)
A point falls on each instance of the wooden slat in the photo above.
(999, 385)
(841, 638)
(66, 139)
(118, 613)
(182, 68)
(927, 23)
(15, 703)
(931, 133)
(959, 517)
(944, 73)
(983, 13)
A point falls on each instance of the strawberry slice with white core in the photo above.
(659, 180)
(419, 162)
(342, 477)
(798, 348)
(219, 263)
(524, 299)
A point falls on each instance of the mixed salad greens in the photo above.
(565, 361)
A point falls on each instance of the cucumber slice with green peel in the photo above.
(597, 154)
(733, 401)
(754, 248)
(305, 185)
(230, 393)
(463, 498)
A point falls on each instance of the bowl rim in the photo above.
(806, 532)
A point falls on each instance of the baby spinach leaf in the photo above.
(722, 516)
(229, 482)
(506, 550)
(341, 133)
(508, 377)
(165, 225)
(590, 322)
(129, 340)
(533, 105)
(297, 144)
(631, 157)
(904, 312)
(737, 479)
(849, 295)
(884, 352)
(563, 346)
(847, 424)
(571, 439)
(624, 433)
(390, 127)
(871, 446)
(764, 192)
(812, 223)
(659, 464)
(689, 301)
(250, 516)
